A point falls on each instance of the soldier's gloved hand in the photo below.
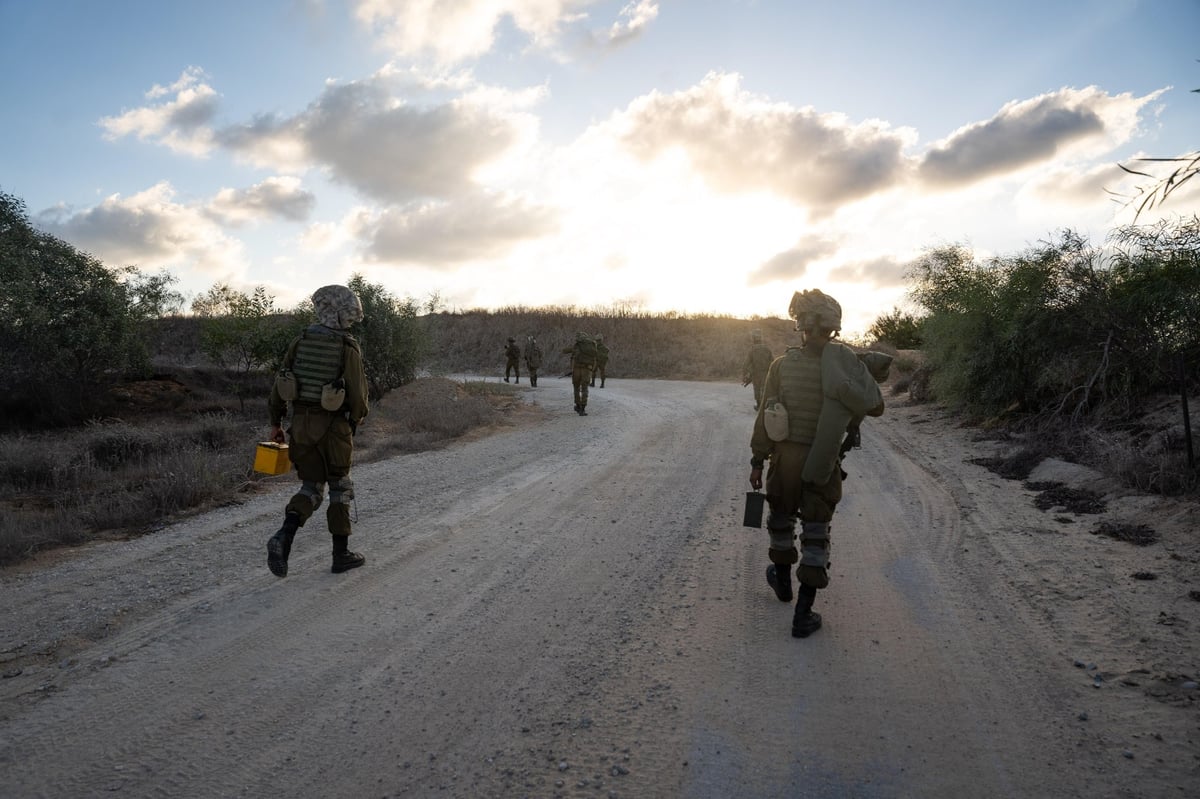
(277, 434)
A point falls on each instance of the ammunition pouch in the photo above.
(285, 386)
(333, 395)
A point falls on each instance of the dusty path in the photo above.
(571, 608)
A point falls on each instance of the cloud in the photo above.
(453, 31)
(1032, 132)
(180, 123)
(367, 137)
(882, 272)
(631, 23)
(149, 230)
(440, 234)
(278, 197)
(793, 264)
(741, 143)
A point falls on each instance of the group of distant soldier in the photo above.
(809, 404)
(588, 358)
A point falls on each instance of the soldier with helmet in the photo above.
(811, 395)
(758, 360)
(583, 362)
(533, 359)
(512, 359)
(323, 382)
(601, 361)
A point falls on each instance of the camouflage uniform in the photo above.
(601, 361)
(512, 359)
(583, 361)
(801, 381)
(320, 441)
(533, 359)
(754, 370)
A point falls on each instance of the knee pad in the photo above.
(783, 540)
(313, 491)
(814, 554)
(341, 490)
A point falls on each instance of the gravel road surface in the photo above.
(571, 607)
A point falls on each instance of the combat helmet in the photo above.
(815, 309)
(337, 307)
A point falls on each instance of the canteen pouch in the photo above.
(285, 386)
(753, 515)
(333, 395)
(775, 420)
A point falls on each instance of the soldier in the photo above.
(583, 361)
(601, 360)
(322, 379)
(533, 359)
(823, 388)
(512, 359)
(757, 362)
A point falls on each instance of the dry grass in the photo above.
(186, 447)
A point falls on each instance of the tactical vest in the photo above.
(318, 361)
(800, 392)
(585, 352)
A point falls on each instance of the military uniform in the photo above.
(327, 394)
(821, 380)
(754, 370)
(583, 361)
(512, 359)
(533, 360)
(601, 361)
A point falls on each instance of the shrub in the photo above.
(71, 327)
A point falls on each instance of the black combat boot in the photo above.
(779, 577)
(343, 559)
(805, 622)
(279, 546)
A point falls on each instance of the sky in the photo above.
(696, 156)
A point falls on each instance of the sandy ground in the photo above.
(571, 607)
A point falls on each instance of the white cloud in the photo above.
(1032, 132)
(741, 143)
(274, 198)
(793, 264)
(366, 136)
(453, 31)
(148, 230)
(442, 234)
(180, 123)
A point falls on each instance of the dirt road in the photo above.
(571, 607)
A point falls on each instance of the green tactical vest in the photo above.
(318, 362)
(800, 392)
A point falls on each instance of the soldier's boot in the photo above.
(506, 378)
(583, 410)
(779, 577)
(805, 622)
(602, 382)
(343, 559)
(279, 546)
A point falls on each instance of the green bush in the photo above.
(1064, 327)
(898, 328)
(392, 338)
(71, 327)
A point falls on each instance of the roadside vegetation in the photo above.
(124, 411)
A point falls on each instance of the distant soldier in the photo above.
(583, 361)
(758, 361)
(533, 359)
(812, 395)
(601, 360)
(512, 359)
(322, 379)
